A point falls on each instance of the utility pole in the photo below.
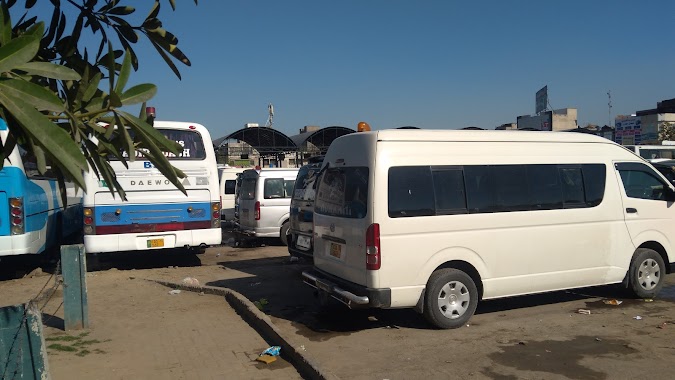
(609, 104)
(270, 117)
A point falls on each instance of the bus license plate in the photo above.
(303, 242)
(336, 250)
(155, 243)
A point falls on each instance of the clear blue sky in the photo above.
(431, 64)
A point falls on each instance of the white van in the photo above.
(228, 180)
(264, 202)
(438, 220)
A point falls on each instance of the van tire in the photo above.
(450, 298)
(284, 234)
(646, 273)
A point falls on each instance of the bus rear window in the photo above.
(343, 192)
(305, 187)
(191, 142)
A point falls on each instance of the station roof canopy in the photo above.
(321, 138)
(266, 141)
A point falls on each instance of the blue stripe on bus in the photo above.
(3, 125)
(124, 214)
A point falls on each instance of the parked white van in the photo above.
(264, 202)
(228, 180)
(437, 220)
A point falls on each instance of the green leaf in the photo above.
(17, 52)
(49, 70)
(124, 73)
(53, 139)
(138, 94)
(126, 138)
(92, 86)
(154, 11)
(40, 97)
(167, 59)
(5, 24)
(126, 10)
(159, 139)
(173, 4)
(114, 100)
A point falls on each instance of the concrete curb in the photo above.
(261, 322)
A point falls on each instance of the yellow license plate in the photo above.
(155, 243)
(336, 250)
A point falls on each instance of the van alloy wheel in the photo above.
(454, 299)
(649, 274)
(450, 298)
(645, 275)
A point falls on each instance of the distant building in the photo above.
(557, 120)
(653, 120)
(507, 126)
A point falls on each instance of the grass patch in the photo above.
(61, 347)
(83, 353)
(261, 303)
(86, 342)
(62, 338)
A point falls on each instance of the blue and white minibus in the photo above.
(156, 214)
(33, 218)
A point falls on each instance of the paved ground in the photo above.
(143, 332)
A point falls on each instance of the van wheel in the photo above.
(284, 233)
(646, 273)
(450, 298)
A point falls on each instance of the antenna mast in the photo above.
(270, 117)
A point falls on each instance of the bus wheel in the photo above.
(646, 273)
(284, 233)
(450, 298)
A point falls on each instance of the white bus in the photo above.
(33, 218)
(156, 214)
(439, 220)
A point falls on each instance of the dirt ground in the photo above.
(135, 322)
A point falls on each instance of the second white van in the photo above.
(439, 220)
(264, 202)
(228, 180)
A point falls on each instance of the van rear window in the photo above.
(343, 192)
(305, 183)
(247, 191)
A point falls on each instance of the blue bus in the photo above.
(33, 218)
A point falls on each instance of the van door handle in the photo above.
(631, 210)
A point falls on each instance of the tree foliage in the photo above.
(666, 131)
(57, 97)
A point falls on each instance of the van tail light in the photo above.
(257, 211)
(373, 254)
(17, 216)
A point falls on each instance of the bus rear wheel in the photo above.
(450, 298)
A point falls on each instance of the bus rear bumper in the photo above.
(151, 241)
(20, 244)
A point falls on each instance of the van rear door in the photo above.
(341, 220)
(247, 199)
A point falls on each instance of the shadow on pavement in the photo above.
(178, 257)
(276, 287)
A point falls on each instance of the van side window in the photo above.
(410, 191)
(545, 187)
(288, 187)
(493, 188)
(449, 190)
(511, 187)
(273, 188)
(573, 187)
(229, 186)
(640, 182)
(480, 192)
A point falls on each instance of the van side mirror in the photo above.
(669, 194)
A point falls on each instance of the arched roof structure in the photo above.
(321, 138)
(267, 141)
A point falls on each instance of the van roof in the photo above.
(271, 171)
(477, 136)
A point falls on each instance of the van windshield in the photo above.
(343, 192)
(304, 185)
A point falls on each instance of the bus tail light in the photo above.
(257, 211)
(373, 254)
(89, 222)
(215, 214)
(17, 216)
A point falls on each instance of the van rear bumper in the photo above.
(352, 295)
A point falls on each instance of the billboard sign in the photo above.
(541, 100)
